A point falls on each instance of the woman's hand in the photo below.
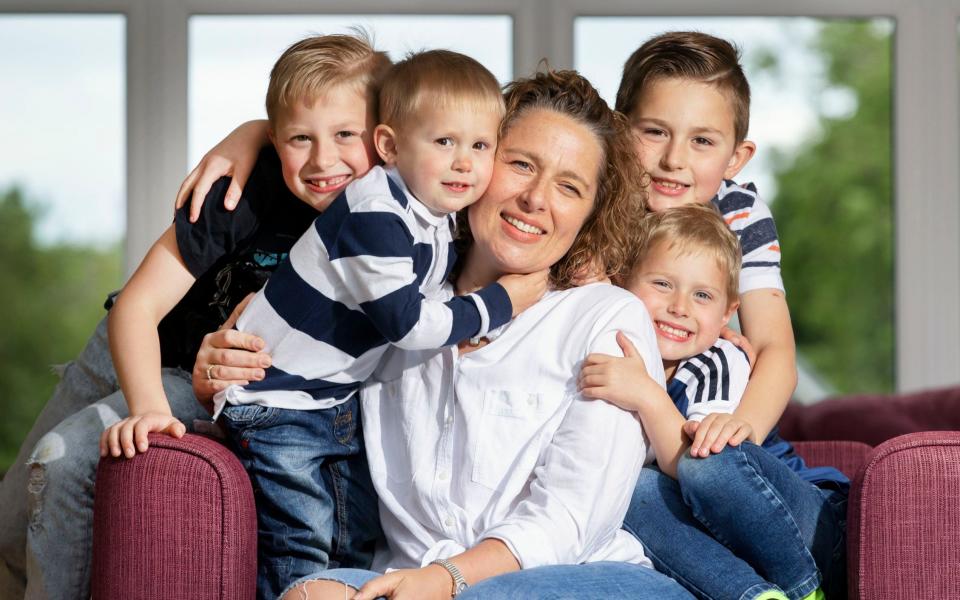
(234, 156)
(740, 341)
(228, 357)
(429, 583)
(129, 435)
(714, 432)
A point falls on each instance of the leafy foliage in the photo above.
(834, 213)
(52, 299)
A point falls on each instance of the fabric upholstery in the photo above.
(175, 522)
(904, 520)
(844, 455)
(872, 419)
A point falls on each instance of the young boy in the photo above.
(770, 526)
(689, 104)
(366, 275)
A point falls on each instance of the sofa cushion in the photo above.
(871, 419)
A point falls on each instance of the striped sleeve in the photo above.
(750, 218)
(713, 381)
(372, 256)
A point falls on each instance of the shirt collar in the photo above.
(419, 208)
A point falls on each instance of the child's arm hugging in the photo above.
(624, 382)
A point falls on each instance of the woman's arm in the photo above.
(487, 559)
(158, 284)
(234, 156)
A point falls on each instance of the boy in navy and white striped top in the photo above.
(366, 274)
(685, 269)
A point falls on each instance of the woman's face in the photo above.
(542, 191)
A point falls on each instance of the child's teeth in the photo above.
(673, 330)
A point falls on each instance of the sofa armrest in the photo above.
(904, 519)
(175, 522)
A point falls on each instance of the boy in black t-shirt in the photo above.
(190, 280)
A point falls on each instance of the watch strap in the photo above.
(459, 583)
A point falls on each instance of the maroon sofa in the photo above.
(179, 521)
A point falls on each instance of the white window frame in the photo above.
(926, 132)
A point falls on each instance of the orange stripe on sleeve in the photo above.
(742, 215)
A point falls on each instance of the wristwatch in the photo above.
(459, 583)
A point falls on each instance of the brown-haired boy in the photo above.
(688, 101)
(751, 522)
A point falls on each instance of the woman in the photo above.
(485, 457)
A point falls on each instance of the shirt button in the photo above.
(531, 400)
(444, 476)
(449, 522)
(449, 419)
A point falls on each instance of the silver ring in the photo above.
(210, 372)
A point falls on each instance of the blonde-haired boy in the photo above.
(196, 274)
(366, 275)
(755, 513)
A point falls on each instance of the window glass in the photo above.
(231, 57)
(62, 198)
(821, 119)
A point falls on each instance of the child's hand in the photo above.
(740, 341)
(129, 435)
(714, 432)
(623, 382)
(234, 156)
(525, 290)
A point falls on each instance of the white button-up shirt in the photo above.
(498, 443)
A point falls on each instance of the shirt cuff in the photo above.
(530, 548)
(494, 307)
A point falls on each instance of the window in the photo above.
(231, 57)
(821, 118)
(62, 198)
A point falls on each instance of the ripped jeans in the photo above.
(47, 530)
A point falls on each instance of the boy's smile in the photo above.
(445, 156)
(324, 147)
(684, 292)
(686, 140)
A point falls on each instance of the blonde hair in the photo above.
(436, 78)
(687, 229)
(688, 55)
(311, 66)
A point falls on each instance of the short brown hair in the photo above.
(311, 66)
(688, 55)
(690, 228)
(620, 202)
(436, 78)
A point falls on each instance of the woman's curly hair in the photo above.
(601, 246)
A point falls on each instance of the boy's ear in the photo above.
(385, 141)
(741, 156)
(272, 135)
(730, 310)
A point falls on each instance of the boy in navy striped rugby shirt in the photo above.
(366, 274)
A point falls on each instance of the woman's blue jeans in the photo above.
(599, 580)
(741, 522)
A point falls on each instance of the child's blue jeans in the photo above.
(741, 522)
(316, 506)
